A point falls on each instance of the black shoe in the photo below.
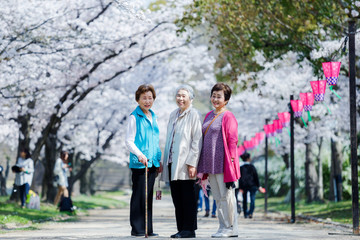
(207, 214)
(176, 235)
(238, 208)
(137, 234)
(143, 234)
(250, 216)
(187, 234)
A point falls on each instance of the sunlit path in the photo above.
(114, 224)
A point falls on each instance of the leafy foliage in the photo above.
(242, 28)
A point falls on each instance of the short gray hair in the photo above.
(187, 88)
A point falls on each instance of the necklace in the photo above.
(148, 114)
(221, 111)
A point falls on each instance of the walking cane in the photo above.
(146, 201)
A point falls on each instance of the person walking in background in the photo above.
(207, 205)
(142, 140)
(181, 156)
(200, 200)
(249, 182)
(61, 172)
(219, 159)
(238, 205)
(24, 174)
(206, 200)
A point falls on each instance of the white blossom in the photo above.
(354, 13)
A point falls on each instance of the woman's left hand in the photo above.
(192, 171)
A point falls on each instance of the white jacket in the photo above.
(186, 147)
(61, 173)
(24, 177)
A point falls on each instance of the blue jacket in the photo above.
(146, 139)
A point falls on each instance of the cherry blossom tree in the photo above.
(57, 55)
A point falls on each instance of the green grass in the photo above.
(12, 213)
(12, 216)
(337, 212)
(104, 201)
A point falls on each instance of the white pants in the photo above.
(225, 203)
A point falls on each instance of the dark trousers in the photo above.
(24, 191)
(252, 201)
(137, 202)
(184, 196)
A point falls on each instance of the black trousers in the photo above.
(184, 196)
(137, 202)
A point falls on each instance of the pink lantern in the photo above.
(269, 130)
(255, 141)
(278, 126)
(297, 107)
(241, 150)
(260, 136)
(307, 100)
(272, 128)
(284, 118)
(318, 88)
(331, 71)
(248, 145)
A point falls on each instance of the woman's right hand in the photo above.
(192, 171)
(143, 160)
(160, 169)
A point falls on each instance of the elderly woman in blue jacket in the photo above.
(142, 140)
(181, 156)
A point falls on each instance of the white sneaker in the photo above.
(224, 233)
(217, 235)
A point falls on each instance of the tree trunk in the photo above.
(76, 166)
(2, 185)
(320, 179)
(320, 175)
(82, 173)
(87, 182)
(4, 175)
(84, 180)
(92, 182)
(311, 175)
(87, 164)
(48, 188)
(24, 132)
(285, 158)
(335, 171)
(25, 128)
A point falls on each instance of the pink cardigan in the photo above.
(229, 128)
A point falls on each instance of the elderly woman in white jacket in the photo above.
(181, 156)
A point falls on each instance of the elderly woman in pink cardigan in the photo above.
(219, 159)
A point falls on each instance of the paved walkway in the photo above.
(114, 224)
